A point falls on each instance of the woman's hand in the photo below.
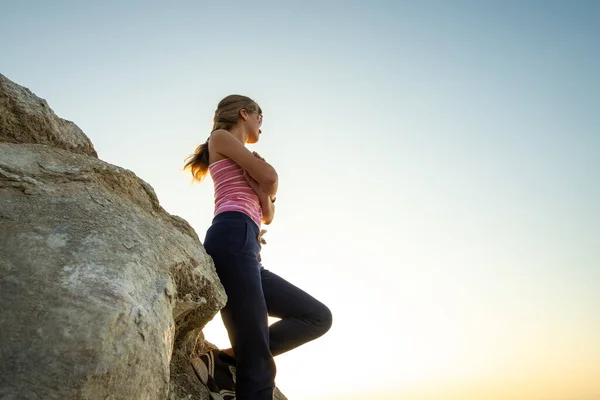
(258, 156)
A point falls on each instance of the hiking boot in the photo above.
(215, 374)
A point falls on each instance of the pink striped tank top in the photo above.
(232, 191)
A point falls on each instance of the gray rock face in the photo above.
(103, 294)
(25, 118)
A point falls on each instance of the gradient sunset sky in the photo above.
(439, 167)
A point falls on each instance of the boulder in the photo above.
(25, 118)
(103, 293)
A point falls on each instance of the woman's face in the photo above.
(254, 122)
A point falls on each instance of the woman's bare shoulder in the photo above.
(214, 138)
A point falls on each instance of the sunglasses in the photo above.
(260, 117)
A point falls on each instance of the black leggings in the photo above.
(253, 293)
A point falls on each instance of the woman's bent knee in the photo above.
(323, 320)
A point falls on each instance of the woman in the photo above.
(245, 193)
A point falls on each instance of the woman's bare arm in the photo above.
(227, 145)
(266, 200)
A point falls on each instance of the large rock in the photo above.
(25, 118)
(103, 293)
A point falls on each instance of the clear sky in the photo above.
(439, 167)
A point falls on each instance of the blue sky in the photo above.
(439, 166)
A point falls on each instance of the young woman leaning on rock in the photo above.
(245, 192)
